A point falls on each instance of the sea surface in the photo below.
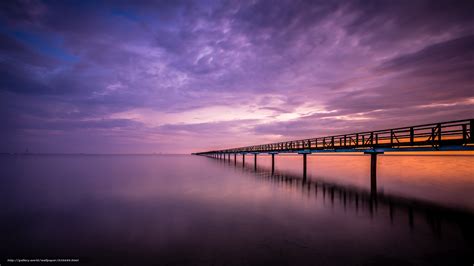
(194, 210)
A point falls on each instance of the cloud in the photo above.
(437, 73)
(66, 125)
(455, 54)
(146, 74)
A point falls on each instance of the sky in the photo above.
(187, 76)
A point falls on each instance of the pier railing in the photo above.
(452, 133)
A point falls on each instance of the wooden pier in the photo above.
(444, 136)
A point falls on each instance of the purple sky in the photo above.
(184, 76)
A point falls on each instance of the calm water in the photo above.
(190, 210)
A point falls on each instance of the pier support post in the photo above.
(235, 158)
(304, 165)
(471, 130)
(305, 154)
(273, 161)
(255, 161)
(373, 171)
(243, 159)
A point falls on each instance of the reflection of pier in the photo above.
(446, 136)
(397, 209)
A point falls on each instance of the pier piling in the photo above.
(373, 171)
(304, 166)
(273, 163)
(255, 161)
(305, 160)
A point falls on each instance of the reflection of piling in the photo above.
(332, 194)
(361, 200)
(357, 202)
(345, 200)
(390, 205)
